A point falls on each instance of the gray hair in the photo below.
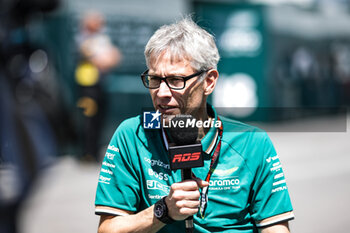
(184, 40)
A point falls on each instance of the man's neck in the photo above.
(203, 131)
(203, 116)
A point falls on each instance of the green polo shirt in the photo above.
(246, 187)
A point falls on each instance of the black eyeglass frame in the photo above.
(185, 78)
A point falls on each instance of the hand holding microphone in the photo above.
(183, 199)
(185, 153)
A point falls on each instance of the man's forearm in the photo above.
(277, 228)
(143, 221)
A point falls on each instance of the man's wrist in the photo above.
(161, 212)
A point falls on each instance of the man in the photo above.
(98, 56)
(244, 187)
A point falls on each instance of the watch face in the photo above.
(158, 210)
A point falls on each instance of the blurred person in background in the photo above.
(98, 56)
(27, 138)
(241, 187)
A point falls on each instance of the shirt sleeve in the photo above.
(270, 192)
(118, 183)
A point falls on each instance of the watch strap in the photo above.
(165, 218)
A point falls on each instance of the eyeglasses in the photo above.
(173, 82)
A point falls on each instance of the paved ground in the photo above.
(317, 167)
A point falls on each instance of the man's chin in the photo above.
(166, 118)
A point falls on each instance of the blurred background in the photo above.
(70, 73)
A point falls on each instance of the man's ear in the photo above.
(210, 81)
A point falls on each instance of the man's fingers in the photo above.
(188, 204)
(186, 195)
(187, 185)
(183, 199)
(201, 183)
(188, 211)
(190, 185)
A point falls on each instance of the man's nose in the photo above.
(164, 90)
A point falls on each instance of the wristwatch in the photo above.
(161, 211)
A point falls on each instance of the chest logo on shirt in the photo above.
(158, 175)
(153, 184)
(226, 172)
(155, 162)
(224, 184)
(223, 179)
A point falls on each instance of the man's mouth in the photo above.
(166, 108)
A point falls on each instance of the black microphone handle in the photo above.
(187, 175)
(189, 224)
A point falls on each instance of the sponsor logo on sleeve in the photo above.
(279, 175)
(113, 148)
(110, 155)
(276, 168)
(273, 158)
(108, 164)
(279, 189)
(279, 182)
(103, 170)
(105, 180)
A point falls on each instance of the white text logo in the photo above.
(104, 179)
(160, 175)
(152, 184)
(159, 163)
(113, 148)
(110, 155)
(271, 158)
(190, 123)
(106, 171)
(108, 164)
(224, 184)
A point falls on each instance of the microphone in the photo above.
(185, 152)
